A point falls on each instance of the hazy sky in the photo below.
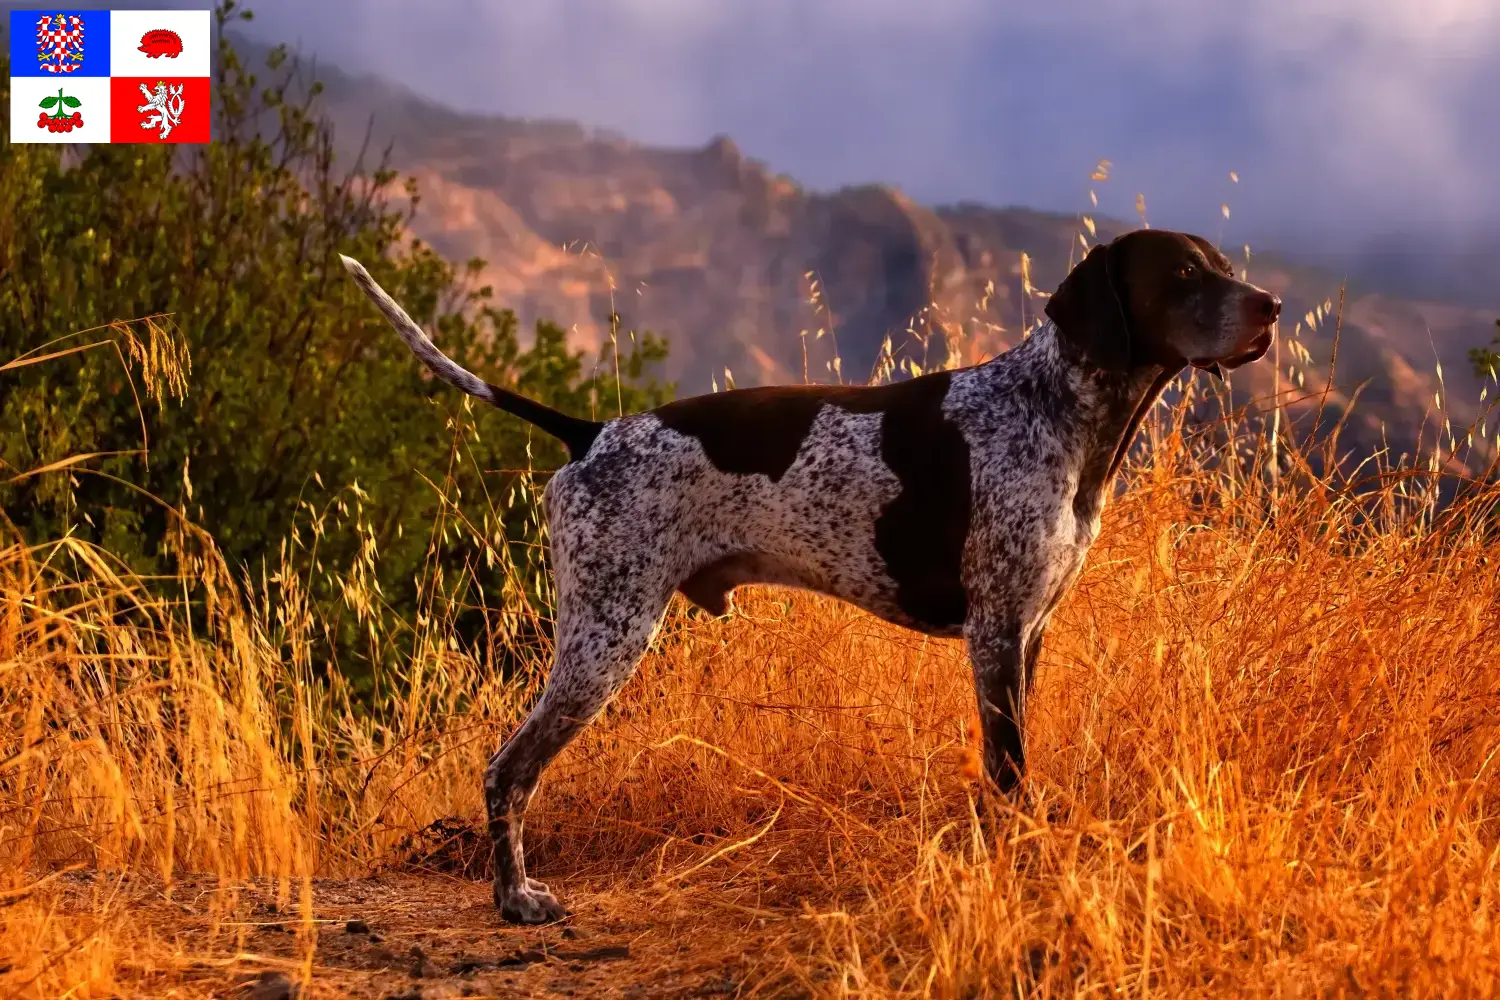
(1342, 117)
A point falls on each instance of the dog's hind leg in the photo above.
(602, 630)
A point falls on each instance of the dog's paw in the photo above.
(532, 903)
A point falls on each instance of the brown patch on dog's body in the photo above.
(920, 534)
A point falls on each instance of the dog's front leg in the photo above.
(1003, 652)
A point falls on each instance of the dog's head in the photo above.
(1153, 297)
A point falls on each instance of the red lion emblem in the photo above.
(161, 42)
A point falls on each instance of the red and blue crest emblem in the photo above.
(59, 42)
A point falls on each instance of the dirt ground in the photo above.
(415, 937)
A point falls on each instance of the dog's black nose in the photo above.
(1263, 308)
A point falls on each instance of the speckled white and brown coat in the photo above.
(959, 503)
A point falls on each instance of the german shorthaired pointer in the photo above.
(959, 503)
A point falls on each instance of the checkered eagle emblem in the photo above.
(59, 42)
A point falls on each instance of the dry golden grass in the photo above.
(1263, 739)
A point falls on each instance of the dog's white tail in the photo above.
(575, 433)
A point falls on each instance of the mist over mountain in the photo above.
(1364, 132)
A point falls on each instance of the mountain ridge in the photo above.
(753, 278)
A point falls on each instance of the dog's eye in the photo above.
(1187, 271)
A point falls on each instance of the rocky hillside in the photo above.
(741, 268)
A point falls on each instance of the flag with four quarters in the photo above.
(110, 75)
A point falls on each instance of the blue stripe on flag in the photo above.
(73, 43)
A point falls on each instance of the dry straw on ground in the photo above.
(1263, 746)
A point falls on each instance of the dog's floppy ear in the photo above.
(1088, 308)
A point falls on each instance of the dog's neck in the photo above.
(1110, 406)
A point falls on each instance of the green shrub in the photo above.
(298, 389)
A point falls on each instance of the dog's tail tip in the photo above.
(353, 266)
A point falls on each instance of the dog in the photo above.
(959, 503)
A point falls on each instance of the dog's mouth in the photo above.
(1256, 350)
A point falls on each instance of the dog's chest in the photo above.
(1028, 541)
